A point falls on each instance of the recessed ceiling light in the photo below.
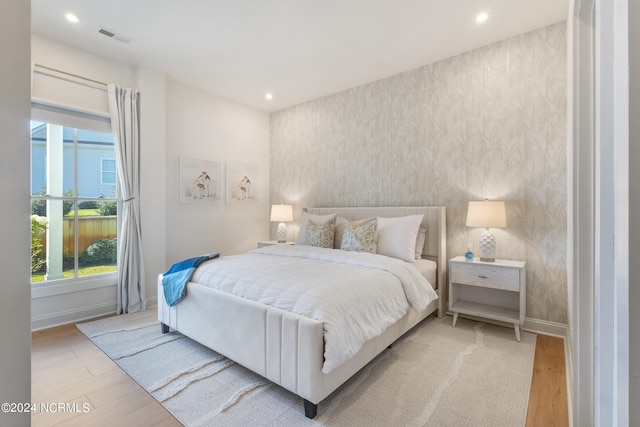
(269, 96)
(482, 17)
(71, 17)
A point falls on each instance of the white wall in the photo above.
(634, 212)
(175, 120)
(203, 126)
(56, 55)
(152, 87)
(581, 275)
(601, 336)
(15, 362)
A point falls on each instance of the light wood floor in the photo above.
(548, 398)
(67, 368)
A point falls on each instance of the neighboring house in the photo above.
(96, 161)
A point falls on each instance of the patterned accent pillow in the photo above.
(341, 225)
(319, 234)
(318, 219)
(360, 236)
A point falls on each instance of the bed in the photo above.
(288, 345)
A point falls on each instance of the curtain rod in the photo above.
(71, 74)
(77, 76)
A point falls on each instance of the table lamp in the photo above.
(487, 215)
(282, 213)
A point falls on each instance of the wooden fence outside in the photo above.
(90, 229)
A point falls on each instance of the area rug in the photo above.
(475, 374)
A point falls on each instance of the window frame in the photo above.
(77, 119)
(103, 171)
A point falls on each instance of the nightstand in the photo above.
(273, 242)
(492, 290)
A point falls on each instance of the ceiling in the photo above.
(298, 50)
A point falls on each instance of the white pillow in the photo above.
(420, 241)
(318, 219)
(397, 236)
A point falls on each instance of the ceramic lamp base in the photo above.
(282, 232)
(487, 246)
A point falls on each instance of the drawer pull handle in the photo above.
(483, 277)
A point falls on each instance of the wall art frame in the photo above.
(200, 181)
(242, 183)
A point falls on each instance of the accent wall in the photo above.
(490, 123)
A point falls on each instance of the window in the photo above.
(74, 207)
(109, 171)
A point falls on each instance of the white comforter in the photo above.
(356, 295)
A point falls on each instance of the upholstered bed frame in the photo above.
(287, 348)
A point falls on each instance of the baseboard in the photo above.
(79, 315)
(536, 326)
(545, 327)
(72, 316)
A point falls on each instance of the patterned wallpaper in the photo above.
(490, 123)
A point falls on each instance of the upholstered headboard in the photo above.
(434, 220)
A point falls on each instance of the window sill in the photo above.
(65, 286)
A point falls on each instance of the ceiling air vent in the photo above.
(114, 35)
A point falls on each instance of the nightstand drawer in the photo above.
(486, 276)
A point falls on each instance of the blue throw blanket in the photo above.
(174, 281)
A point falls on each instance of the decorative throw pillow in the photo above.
(397, 236)
(320, 235)
(341, 225)
(318, 219)
(360, 237)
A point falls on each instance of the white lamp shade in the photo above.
(486, 214)
(281, 213)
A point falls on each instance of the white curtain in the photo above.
(123, 105)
